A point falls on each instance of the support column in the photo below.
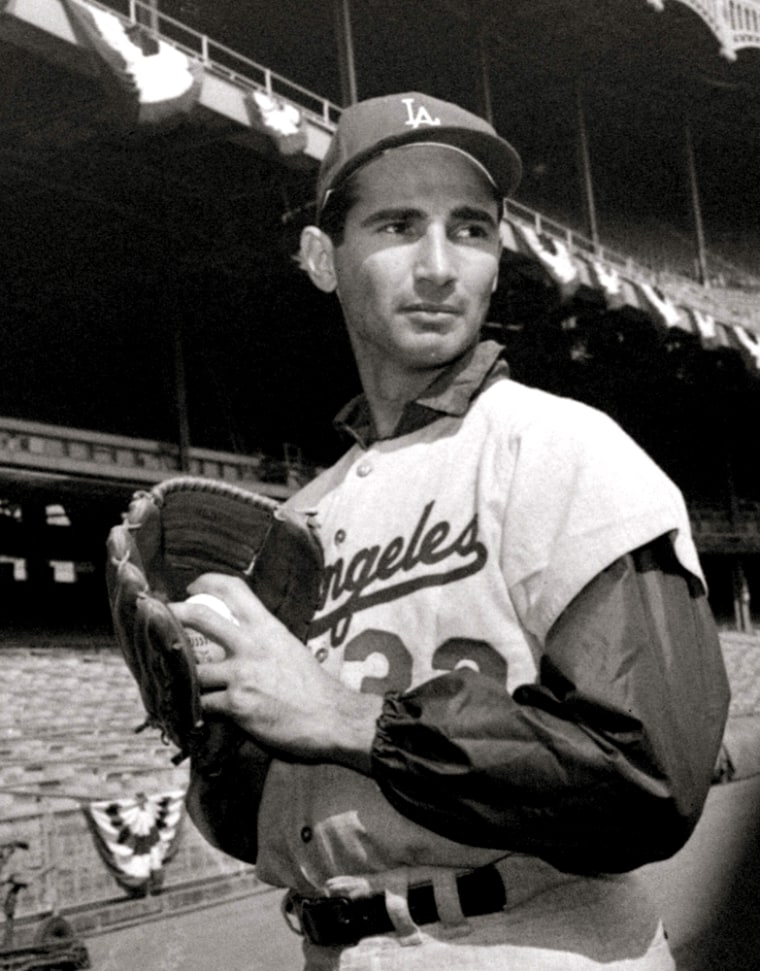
(741, 593)
(35, 604)
(584, 156)
(742, 600)
(696, 206)
(346, 61)
(478, 16)
(180, 396)
(39, 573)
(149, 18)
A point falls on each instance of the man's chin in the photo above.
(433, 351)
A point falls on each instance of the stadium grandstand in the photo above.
(157, 162)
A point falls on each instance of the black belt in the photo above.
(340, 922)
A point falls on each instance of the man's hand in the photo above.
(271, 685)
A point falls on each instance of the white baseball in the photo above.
(204, 649)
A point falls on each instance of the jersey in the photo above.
(456, 544)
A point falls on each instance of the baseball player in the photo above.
(513, 694)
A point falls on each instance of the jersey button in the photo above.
(364, 469)
(340, 536)
(321, 654)
(307, 834)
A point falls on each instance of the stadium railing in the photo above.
(222, 60)
(56, 449)
(739, 305)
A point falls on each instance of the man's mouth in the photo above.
(431, 309)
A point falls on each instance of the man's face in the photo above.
(419, 258)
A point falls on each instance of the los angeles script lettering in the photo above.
(383, 568)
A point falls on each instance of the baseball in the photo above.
(205, 650)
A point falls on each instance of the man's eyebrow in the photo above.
(474, 214)
(401, 214)
(404, 213)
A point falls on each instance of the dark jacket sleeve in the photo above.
(605, 762)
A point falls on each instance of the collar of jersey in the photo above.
(450, 393)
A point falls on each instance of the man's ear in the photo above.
(317, 258)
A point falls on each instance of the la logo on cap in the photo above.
(422, 117)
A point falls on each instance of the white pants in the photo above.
(555, 923)
(483, 949)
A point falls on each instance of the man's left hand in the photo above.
(270, 684)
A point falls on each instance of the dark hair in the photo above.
(332, 219)
(340, 201)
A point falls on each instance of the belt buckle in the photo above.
(327, 921)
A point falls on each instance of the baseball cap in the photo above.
(369, 128)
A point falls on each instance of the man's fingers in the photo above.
(211, 624)
(215, 702)
(234, 592)
(213, 677)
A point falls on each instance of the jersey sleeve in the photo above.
(605, 762)
(580, 494)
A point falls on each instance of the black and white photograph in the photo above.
(379, 490)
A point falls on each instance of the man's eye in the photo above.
(398, 227)
(472, 231)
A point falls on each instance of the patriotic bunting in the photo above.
(609, 282)
(750, 344)
(283, 122)
(507, 235)
(711, 334)
(663, 309)
(553, 255)
(706, 326)
(569, 270)
(161, 82)
(136, 837)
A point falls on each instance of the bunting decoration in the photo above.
(507, 235)
(750, 345)
(626, 287)
(137, 836)
(609, 282)
(553, 255)
(283, 122)
(160, 83)
(662, 308)
(711, 334)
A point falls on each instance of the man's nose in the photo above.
(436, 259)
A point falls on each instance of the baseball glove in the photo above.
(181, 528)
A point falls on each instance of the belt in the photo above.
(340, 922)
